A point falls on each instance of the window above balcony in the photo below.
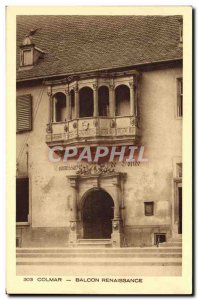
(94, 111)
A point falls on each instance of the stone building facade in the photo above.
(98, 81)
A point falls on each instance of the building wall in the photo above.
(50, 192)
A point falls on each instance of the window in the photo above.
(27, 58)
(159, 238)
(103, 101)
(29, 54)
(148, 208)
(59, 107)
(179, 170)
(24, 113)
(122, 100)
(179, 97)
(22, 199)
(86, 102)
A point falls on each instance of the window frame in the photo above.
(22, 57)
(179, 96)
(146, 203)
(155, 237)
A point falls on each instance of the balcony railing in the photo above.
(94, 131)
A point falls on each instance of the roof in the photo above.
(74, 44)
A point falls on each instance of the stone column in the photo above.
(54, 109)
(116, 222)
(73, 232)
(49, 92)
(76, 102)
(116, 204)
(132, 96)
(112, 100)
(69, 106)
(95, 88)
(73, 208)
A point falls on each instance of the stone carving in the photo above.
(75, 125)
(49, 128)
(95, 169)
(72, 78)
(76, 90)
(115, 225)
(95, 123)
(112, 123)
(95, 86)
(66, 128)
(49, 91)
(134, 121)
(132, 83)
(85, 125)
(112, 86)
(67, 92)
(73, 225)
(57, 136)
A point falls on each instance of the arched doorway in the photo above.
(97, 215)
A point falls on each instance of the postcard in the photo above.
(99, 150)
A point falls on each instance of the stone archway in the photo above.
(97, 214)
(83, 187)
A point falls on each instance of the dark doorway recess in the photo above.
(97, 215)
(22, 199)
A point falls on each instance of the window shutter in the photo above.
(24, 113)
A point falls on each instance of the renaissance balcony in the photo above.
(94, 111)
(94, 131)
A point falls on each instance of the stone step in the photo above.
(179, 239)
(100, 250)
(93, 241)
(100, 264)
(99, 258)
(95, 255)
(148, 261)
(171, 244)
(99, 261)
(99, 243)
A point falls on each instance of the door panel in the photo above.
(97, 215)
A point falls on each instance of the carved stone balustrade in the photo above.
(120, 130)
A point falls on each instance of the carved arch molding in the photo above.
(113, 184)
